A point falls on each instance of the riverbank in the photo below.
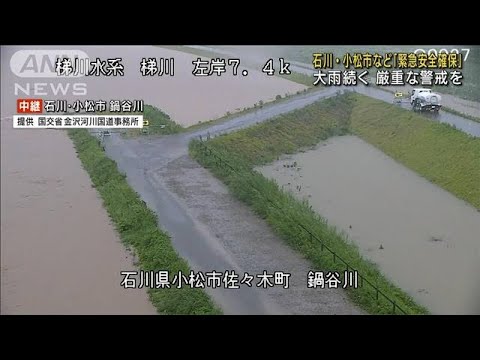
(445, 156)
(138, 229)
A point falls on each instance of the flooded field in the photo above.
(59, 252)
(188, 99)
(422, 237)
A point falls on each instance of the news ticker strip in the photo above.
(390, 60)
(388, 78)
(67, 66)
(79, 122)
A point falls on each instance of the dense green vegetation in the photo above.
(159, 123)
(137, 226)
(438, 152)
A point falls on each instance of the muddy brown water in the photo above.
(422, 237)
(59, 252)
(188, 99)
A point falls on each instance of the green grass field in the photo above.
(137, 226)
(445, 156)
(159, 123)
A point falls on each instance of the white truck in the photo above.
(425, 100)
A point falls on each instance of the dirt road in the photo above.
(214, 231)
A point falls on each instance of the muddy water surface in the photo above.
(188, 99)
(59, 252)
(422, 237)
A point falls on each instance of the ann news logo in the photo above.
(41, 65)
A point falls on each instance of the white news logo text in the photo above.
(42, 63)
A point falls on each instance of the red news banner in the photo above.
(30, 114)
(29, 106)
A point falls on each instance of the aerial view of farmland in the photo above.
(240, 180)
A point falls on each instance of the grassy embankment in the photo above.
(440, 153)
(444, 108)
(159, 123)
(443, 155)
(137, 226)
(461, 114)
(229, 115)
(287, 134)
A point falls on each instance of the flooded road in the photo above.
(467, 126)
(59, 252)
(422, 237)
(214, 231)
